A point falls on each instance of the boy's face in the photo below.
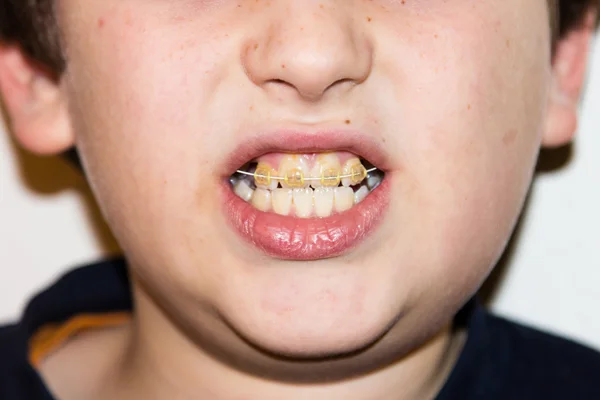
(448, 98)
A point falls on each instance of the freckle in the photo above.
(321, 6)
(435, 36)
(468, 107)
(509, 137)
(348, 122)
(101, 23)
(507, 42)
(251, 108)
(369, 19)
(283, 66)
(256, 46)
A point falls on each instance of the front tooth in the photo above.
(326, 171)
(303, 202)
(282, 201)
(344, 199)
(243, 190)
(324, 198)
(263, 177)
(360, 194)
(349, 167)
(262, 199)
(294, 170)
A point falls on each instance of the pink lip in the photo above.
(292, 238)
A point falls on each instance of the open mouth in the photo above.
(307, 196)
(316, 185)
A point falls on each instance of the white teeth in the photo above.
(360, 194)
(324, 198)
(344, 199)
(282, 201)
(347, 170)
(262, 199)
(303, 202)
(243, 190)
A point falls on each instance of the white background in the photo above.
(48, 223)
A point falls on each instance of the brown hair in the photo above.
(31, 24)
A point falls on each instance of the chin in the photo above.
(311, 315)
(307, 341)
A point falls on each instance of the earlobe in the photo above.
(569, 67)
(35, 104)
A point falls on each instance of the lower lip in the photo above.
(293, 238)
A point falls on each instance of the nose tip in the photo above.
(311, 74)
(309, 59)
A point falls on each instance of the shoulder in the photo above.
(542, 365)
(11, 342)
(14, 367)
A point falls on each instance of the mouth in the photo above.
(307, 197)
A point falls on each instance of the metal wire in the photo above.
(278, 178)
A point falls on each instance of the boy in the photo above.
(306, 194)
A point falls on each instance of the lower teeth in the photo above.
(305, 202)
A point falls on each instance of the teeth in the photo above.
(303, 202)
(360, 194)
(262, 199)
(351, 167)
(262, 177)
(344, 198)
(282, 201)
(327, 169)
(294, 169)
(287, 190)
(324, 199)
(243, 190)
(373, 180)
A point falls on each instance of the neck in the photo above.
(163, 361)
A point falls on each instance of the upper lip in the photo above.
(302, 142)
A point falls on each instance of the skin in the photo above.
(460, 94)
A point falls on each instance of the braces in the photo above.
(298, 179)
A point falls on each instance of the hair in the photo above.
(31, 25)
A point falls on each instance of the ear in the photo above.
(36, 106)
(569, 66)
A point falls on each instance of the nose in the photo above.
(308, 50)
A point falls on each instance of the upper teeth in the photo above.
(294, 172)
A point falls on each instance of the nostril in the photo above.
(279, 82)
(312, 90)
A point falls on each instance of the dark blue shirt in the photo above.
(500, 360)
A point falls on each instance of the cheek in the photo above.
(472, 108)
(134, 117)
